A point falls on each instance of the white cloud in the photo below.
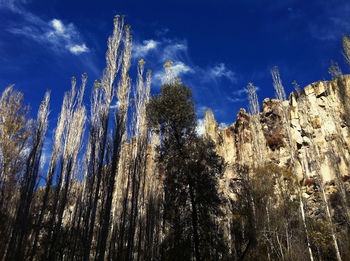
(178, 69)
(55, 33)
(78, 49)
(174, 51)
(220, 71)
(58, 25)
(177, 51)
(141, 50)
(66, 36)
(164, 50)
(200, 129)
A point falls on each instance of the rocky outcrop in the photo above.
(318, 122)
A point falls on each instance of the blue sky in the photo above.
(217, 46)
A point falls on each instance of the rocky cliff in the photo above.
(318, 125)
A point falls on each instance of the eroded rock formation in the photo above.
(319, 129)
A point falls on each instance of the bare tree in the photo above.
(101, 108)
(334, 70)
(119, 138)
(314, 153)
(346, 47)
(57, 148)
(254, 109)
(69, 132)
(281, 96)
(74, 132)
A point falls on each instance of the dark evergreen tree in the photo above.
(191, 168)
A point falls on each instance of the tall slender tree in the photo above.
(22, 223)
(281, 97)
(315, 156)
(346, 48)
(14, 134)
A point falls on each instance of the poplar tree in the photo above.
(281, 97)
(14, 134)
(346, 47)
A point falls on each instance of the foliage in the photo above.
(191, 168)
(265, 215)
(14, 134)
(321, 238)
(173, 111)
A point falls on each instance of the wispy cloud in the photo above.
(141, 50)
(56, 34)
(174, 50)
(161, 32)
(178, 69)
(240, 95)
(240, 92)
(243, 91)
(220, 71)
(157, 52)
(12, 3)
(78, 49)
(161, 50)
(236, 99)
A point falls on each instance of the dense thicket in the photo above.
(134, 181)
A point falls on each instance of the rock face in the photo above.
(318, 120)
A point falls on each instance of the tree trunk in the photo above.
(194, 222)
